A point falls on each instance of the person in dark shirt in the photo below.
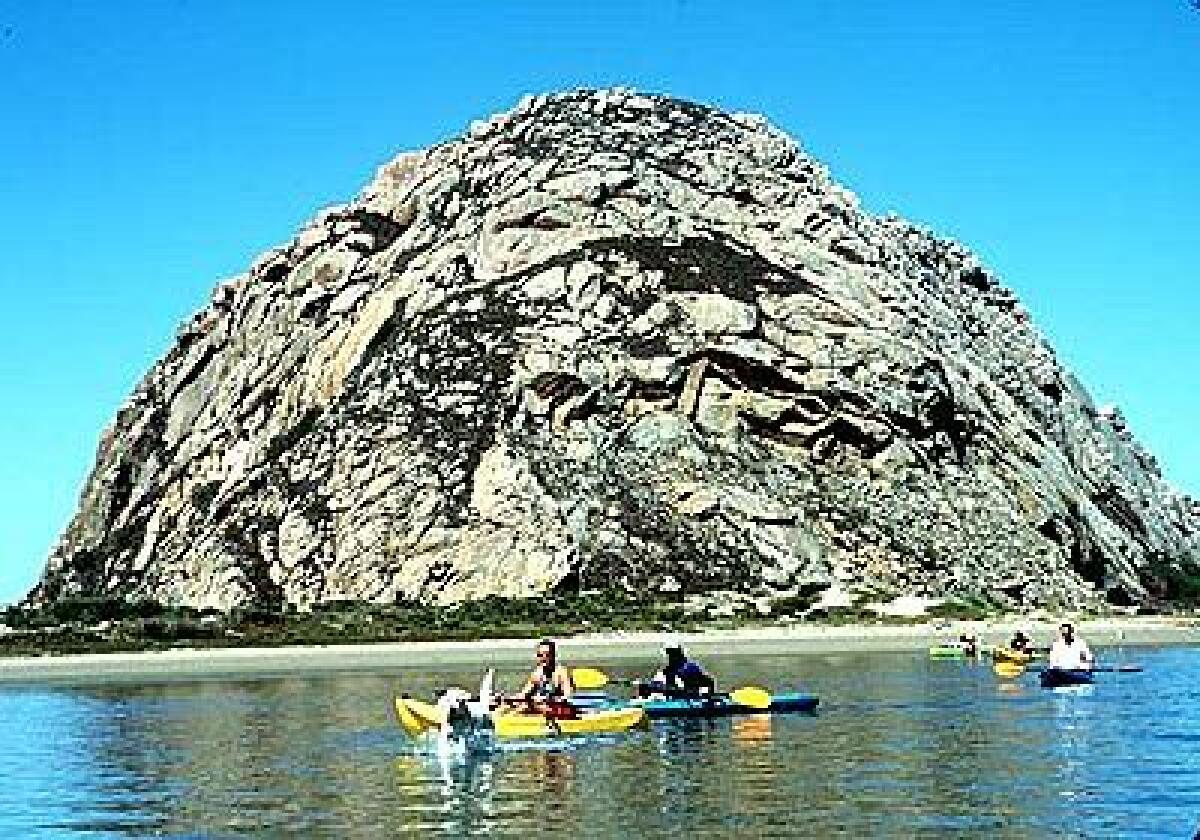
(679, 677)
(1021, 643)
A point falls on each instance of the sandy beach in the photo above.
(800, 640)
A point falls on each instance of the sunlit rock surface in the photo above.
(610, 339)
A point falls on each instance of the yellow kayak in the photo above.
(1004, 654)
(520, 725)
(418, 718)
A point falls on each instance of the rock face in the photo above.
(615, 340)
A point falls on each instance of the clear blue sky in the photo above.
(149, 149)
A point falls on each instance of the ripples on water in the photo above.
(902, 747)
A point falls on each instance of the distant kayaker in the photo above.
(1021, 643)
(549, 684)
(969, 644)
(1069, 651)
(679, 677)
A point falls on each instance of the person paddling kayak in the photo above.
(1021, 643)
(549, 687)
(679, 677)
(1070, 652)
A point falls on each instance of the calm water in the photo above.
(902, 747)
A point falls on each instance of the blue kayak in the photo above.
(724, 706)
(718, 706)
(1056, 677)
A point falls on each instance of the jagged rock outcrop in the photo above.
(615, 340)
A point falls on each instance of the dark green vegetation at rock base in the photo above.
(1178, 583)
(111, 625)
(94, 625)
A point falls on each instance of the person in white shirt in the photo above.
(1069, 651)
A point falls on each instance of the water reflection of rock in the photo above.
(55, 782)
(711, 766)
(238, 757)
(552, 771)
(902, 748)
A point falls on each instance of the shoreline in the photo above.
(183, 664)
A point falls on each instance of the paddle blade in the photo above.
(752, 696)
(1008, 670)
(588, 678)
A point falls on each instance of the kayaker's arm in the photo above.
(529, 688)
(565, 685)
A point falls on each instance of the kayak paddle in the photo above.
(1106, 669)
(752, 696)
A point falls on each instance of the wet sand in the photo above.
(799, 639)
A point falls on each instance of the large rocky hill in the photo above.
(615, 340)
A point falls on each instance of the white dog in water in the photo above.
(467, 720)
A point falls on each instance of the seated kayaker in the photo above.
(549, 688)
(969, 644)
(1021, 643)
(1069, 651)
(680, 677)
